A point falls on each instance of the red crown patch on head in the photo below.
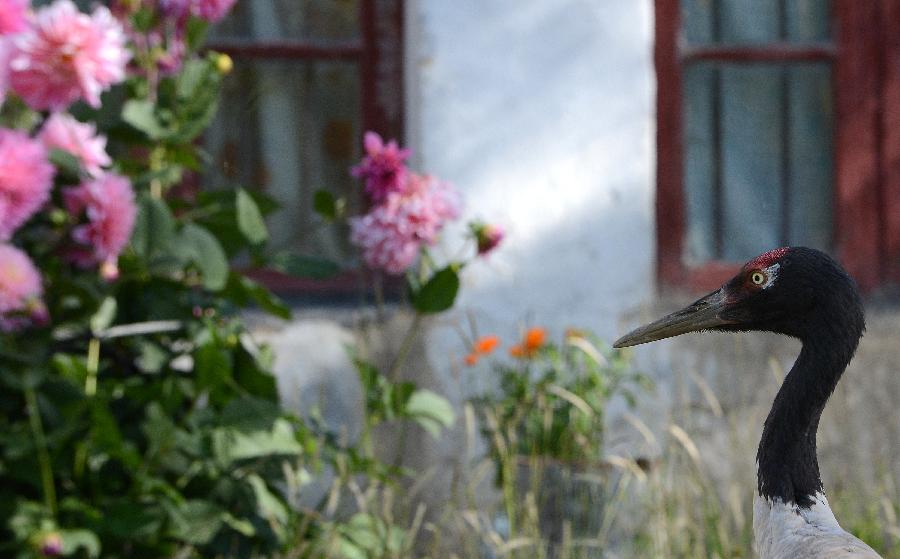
(766, 259)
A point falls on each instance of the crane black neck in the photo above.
(788, 469)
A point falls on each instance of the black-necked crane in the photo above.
(803, 293)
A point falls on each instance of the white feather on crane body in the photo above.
(783, 531)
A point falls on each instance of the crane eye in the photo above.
(758, 278)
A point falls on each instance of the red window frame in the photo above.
(865, 57)
(378, 55)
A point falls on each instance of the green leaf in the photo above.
(268, 505)
(250, 414)
(67, 163)
(129, 520)
(152, 357)
(268, 301)
(159, 429)
(439, 293)
(243, 290)
(212, 366)
(154, 229)
(310, 267)
(239, 525)
(366, 535)
(431, 410)
(193, 75)
(206, 252)
(249, 219)
(231, 445)
(72, 540)
(141, 114)
(327, 205)
(197, 522)
(104, 316)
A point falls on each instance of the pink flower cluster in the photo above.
(13, 16)
(64, 55)
(210, 10)
(20, 290)
(383, 169)
(164, 46)
(104, 206)
(26, 178)
(62, 131)
(408, 210)
(108, 206)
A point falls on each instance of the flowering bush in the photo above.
(138, 417)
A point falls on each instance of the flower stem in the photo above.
(37, 430)
(405, 347)
(93, 367)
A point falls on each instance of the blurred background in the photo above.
(636, 153)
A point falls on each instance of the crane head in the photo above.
(791, 290)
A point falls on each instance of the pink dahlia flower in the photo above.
(66, 55)
(383, 169)
(64, 132)
(108, 204)
(25, 179)
(13, 16)
(6, 49)
(175, 8)
(20, 290)
(392, 233)
(211, 10)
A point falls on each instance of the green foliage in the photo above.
(544, 429)
(328, 206)
(438, 293)
(552, 404)
(250, 219)
(387, 401)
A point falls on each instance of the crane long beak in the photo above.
(699, 315)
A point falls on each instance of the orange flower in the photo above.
(534, 339)
(472, 359)
(485, 344)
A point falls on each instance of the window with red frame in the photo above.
(777, 125)
(310, 76)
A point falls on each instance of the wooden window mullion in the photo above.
(857, 222)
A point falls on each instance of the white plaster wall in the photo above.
(541, 112)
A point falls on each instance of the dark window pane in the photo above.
(758, 158)
(297, 20)
(810, 201)
(757, 22)
(699, 161)
(697, 21)
(751, 160)
(742, 22)
(808, 20)
(290, 128)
